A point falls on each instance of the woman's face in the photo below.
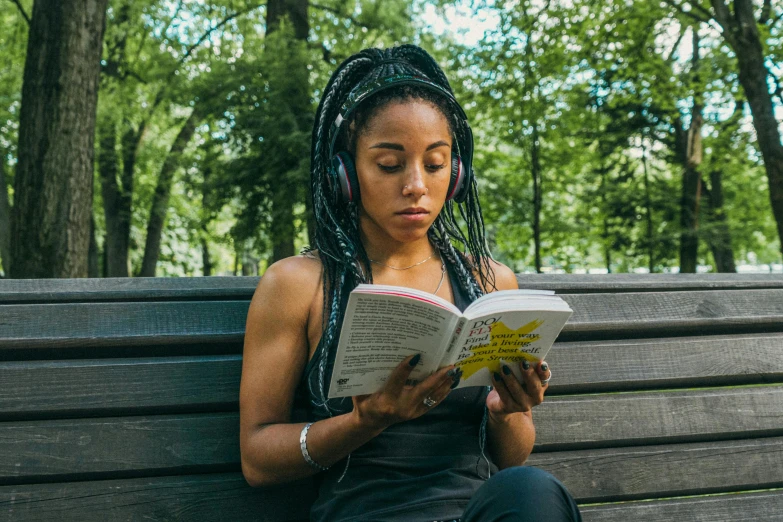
(403, 162)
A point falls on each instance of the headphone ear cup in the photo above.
(459, 184)
(343, 172)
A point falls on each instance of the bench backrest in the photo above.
(118, 399)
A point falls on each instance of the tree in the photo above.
(50, 221)
(740, 30)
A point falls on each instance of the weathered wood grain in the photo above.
(750, 507)
(118, 447)
(604, 283)
(224, 288)
(168, 444)
(108, 387)
(657, 314)
(121, 324)
(617, 474)
(223, 497)
(596, 316)
(574, 421)
(669, 362)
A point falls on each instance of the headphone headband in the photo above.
(343, 171)
(364, 90)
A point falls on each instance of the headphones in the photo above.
(342, 170)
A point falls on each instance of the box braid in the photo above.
(336, 237)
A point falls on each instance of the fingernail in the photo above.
(525, 364)
(497, 376)
(415, 360)
(506, 370)
(456, 382)
(452, 373)
(544, 367)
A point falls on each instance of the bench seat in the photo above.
(118, 399)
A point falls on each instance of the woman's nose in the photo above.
(414, 184)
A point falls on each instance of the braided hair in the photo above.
(336, 237)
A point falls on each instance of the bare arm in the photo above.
(275, 354)
(510, 435)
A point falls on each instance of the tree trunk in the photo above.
(535, 165)
(5, 220)
(92, 255)
(160, 201)
(691, 178)
(117, 194)
(206, 261)
(648, 212)
(50, 221)
(742, 34)
(720, 240)
(283, 195)
(117, 218)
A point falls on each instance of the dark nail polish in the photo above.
(415, 360)
(452, 373)
(544, 367)
(497, 376)
(457, 379)
(525, 364)
(506, 370)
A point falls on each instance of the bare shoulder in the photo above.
(290, 283)
(505, 279)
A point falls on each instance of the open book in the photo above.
(384, 324)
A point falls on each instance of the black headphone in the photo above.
(342, 169)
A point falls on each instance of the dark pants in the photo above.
(520, 494)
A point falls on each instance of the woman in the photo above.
(390, 164)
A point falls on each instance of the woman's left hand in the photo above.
(512, 396)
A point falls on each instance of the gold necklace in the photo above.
(442, 268)
(404, 268)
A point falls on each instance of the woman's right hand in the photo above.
(397, 401)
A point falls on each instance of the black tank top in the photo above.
(420, 470)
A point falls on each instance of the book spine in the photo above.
(455, 336)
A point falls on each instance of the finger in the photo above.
(436, 379)
(430, 386)
(401, 373)
(505, 396)
(532, 383)
(544, 373)
(514, 387)
(439, 393)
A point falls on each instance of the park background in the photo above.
(172, 137)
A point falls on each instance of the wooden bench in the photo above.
(118, 400)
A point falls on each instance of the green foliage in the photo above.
(598, 91)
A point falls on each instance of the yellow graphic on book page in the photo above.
(502, 343)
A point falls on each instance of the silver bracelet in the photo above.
(303, 446)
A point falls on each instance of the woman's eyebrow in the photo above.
(397, 146)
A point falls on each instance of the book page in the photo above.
(504, 337)
(378, 332)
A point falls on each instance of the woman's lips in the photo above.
(414, 214)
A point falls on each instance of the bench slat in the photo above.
(164, 444)
(221, 287)
(199, 498)
(118, 447)
(109, 387)
(658, 314)
(752, 507)
(626, 419)
(618, 474)
(226, 497)
(596, 316)
(673, 362)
